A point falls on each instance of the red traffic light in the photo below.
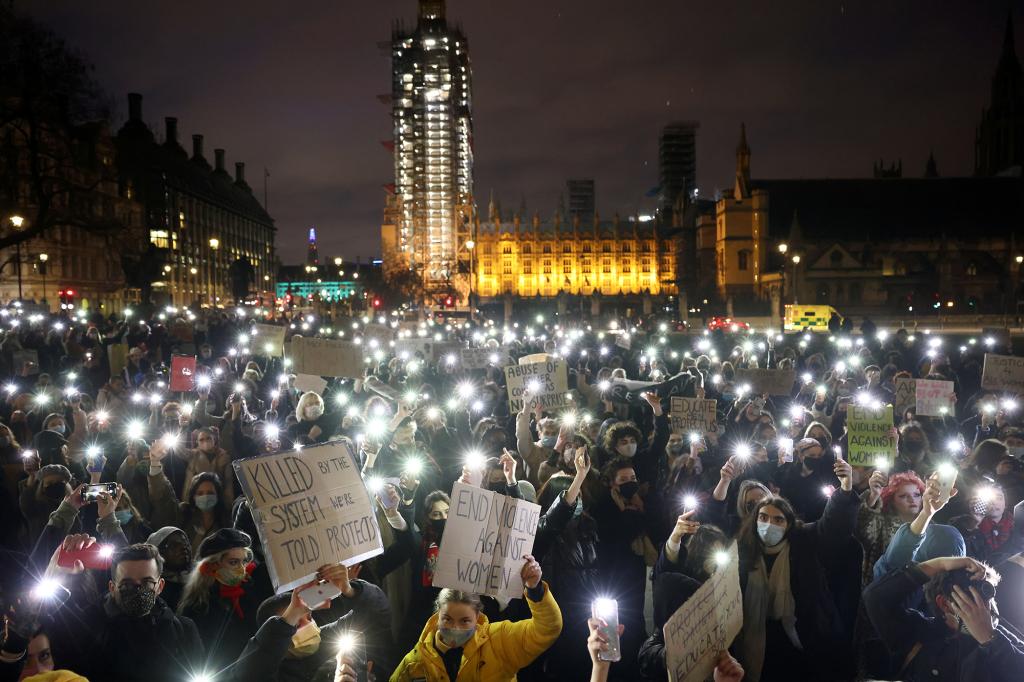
(448, 301)
(70, 292)
(376, 303)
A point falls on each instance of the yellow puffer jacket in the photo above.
(496, 652)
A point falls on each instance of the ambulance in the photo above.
(808, 317)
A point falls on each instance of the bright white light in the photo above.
(743, 451)
(413, 467)
(46, 588)
(271, 431)
(689, 502)
(946, 471)
(605, 608)
(475, 461)
(135, 430)
(722, 557)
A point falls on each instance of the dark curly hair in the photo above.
(618, 431)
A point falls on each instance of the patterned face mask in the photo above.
(136, 601)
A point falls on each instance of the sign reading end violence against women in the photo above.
(705, 625)
(311, 508)
(485, 539)
(693, 415)
(870, 436)
(547, 381)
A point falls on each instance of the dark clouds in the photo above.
(561, 89)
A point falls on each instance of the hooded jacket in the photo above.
(496, 652)
(174, 581)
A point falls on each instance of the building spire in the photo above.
(431, 9)
(742, 188)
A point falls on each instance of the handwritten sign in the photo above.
(183, 373)
(480, 358)
(423, 346)
(547, 382)
(766, 381)
(327, 357)
(624, 341)
(485, 539)
(934, 398)
(311, 508)
(870, 436)
(310, 382)
(705, 625)
(906, 395)
(1003, 373)
(693, 415)
(268, 340)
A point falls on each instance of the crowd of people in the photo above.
(129, 551)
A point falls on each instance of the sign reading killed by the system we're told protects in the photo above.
(311, 508)
(485, 540)
(546, 382)
(871, 438)
(705, 625)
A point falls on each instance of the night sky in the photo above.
(562, 88)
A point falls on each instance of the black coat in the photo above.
(223, 632)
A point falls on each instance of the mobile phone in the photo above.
(96, 557)
(786, 450)
(396, 482)
(947, 479)
(319, 593)
(608, 611)
(92, 492)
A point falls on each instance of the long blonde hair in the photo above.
(196, 595)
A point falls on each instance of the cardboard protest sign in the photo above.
(869, 436)
(934, 398)
(906, 395)
(535, 357)
(1003, 373)
(378, 335)
(20, 358)
(311, 508)
(310, 382)
(326, 357)
(480, 358)
(705, 625)
(268, 339)
(183, 373)
(485, 539)
(624, 341)
(769, 381)
(693, 415)
(547, 381)
(422, 345)
(117, 356)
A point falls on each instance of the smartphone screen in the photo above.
(608, 611)
(947, 479)
(91, 492)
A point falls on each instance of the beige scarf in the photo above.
(767, 597)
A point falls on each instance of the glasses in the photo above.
(128, 583)
(206, 439)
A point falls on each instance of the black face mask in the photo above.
(819, 465)
(437, 526)
(913, 447)
(825, 445)
(55, 491)
(629, 489)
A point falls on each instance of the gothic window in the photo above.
(625, 269)
(744, 260)
(547, 248)
(487, 249)
(567, 248)
(606, 269)
(566, 269)
(527, 269)
(627, 247)
(547, 267)
(507, 269)
(507, 249)
(972, 270)
(645, 247)
(586, 248)
(607, 247)
(527, 248)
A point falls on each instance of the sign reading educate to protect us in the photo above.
(705, 625)
(870, 436)
(547, 382)
(326, 357)
(485, 540)
(1003, 373)
(693, 415)
(311, 508)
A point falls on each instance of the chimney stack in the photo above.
(197, 146)
(172, 130)
(134, 106)
(218, 155)
(239, 172)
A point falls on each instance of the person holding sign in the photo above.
(791, 627)
(459, 636)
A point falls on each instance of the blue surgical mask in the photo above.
(206, 502)
(549, 441)
(123, 516)
(58, 428)
(456, 638)
(771, 534)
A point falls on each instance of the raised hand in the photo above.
(877, 481)
(107, 503)
(844, 472)
(685, 525)
(531, 572)
(339, 576)
(508, 466)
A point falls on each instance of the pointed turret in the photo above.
(742, 188)
(931, 169)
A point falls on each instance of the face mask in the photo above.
(437, 526)
(675, 449)
(55, 491)
(818, 465)
(206, 502)
(913, 446)
(136, 601)
(123, 516)
(58, 428)
(629, 489)
(456, 638)
(1016, 451)
(549, 441)
(627, 450)
(312, 412)
(305, 641)
(227, 575)
(771, 535)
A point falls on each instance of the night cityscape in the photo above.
(699, 327)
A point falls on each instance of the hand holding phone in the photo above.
(93, 492)
(318, 594)
(95, 556)
(606, 611)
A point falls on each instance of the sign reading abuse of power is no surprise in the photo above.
(311, 508)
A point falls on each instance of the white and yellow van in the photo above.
(808, 317)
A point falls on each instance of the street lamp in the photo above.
(214, 243)
(338, 261)
(1019, 259)
(43, 257)
(470, 245)
(783, 247)
(796, 261)
(17, 221)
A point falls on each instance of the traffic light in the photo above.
(449, 301)
(376, 302)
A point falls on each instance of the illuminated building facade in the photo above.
(524, 257)
(429, 214)
(207, 228)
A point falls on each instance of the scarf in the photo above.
(233, 594)
(996, 532)
(767, 597)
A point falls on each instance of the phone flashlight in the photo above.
(721, 557)
(694, 438)
(412, 467)
(743, 451)
(689, 502)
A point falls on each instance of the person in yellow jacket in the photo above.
(459, 644)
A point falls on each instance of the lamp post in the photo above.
(43, 258)
(796, 262)
(470, 245)
(214, 245)
(17, 221)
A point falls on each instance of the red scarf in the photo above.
(231, 593)
(996, 533)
